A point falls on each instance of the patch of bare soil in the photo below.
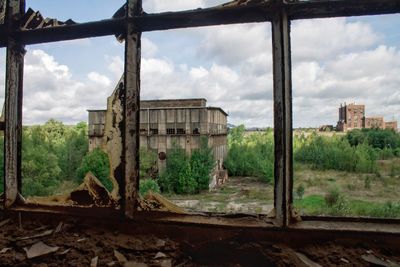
(71, 243)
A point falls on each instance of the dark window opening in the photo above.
(180, 131)
(171, 131)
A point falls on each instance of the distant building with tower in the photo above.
(352, 116)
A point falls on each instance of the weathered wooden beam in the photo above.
(131, 110)
(340, 8)
(282, 81)
(71, 32)
(207, 17)
(13, 107)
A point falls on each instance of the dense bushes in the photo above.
(51, 154)
(187, 174)
(376, 138)
(147, 185)
(335, 153)
(251, 155)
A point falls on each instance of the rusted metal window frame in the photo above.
(279, 12)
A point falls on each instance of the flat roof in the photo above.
(211, 108)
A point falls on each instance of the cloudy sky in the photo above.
(334, 61)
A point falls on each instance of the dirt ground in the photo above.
(238, 195)
(73, 243)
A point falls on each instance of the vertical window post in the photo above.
(13, 106)
(282, 116)
(131, 109)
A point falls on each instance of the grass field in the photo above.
(325, 193)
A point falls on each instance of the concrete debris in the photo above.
(135, 264)
(45, 233)
(155, 201)
(4, 250)
(58, 228)
(94, 261)
(65, 251)
(39, 249)
(120, 257)
(2, 223)
(344, 260)
(375, 261)
(308, 262)
(34, 20)
(91, 193)
(166, 263)
(160, 255)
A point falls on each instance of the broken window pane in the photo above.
(62, 161)
(211, 104)
(346, 140)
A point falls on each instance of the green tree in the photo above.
(40, 170)
(202, 162)
(148, 163)
(96, 162)
(72, 150)
(177, 177)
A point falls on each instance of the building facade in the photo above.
(164, 123)
(352, 116)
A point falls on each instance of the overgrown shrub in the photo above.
(202, 163)
(147, 185)
(177, 177)
(96, 162)
(300, 191)
(335, 153)
(251, 155)
(332, 197)
(148, 163)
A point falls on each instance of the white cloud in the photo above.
(334, 61)
(50, 91)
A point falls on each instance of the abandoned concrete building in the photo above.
(164, 123)
(352, 116)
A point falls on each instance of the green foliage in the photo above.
(148, 163)
(251, 155)
(72, 150)
(96, 162)
(51, 153)
(40, 170)
(202, 163)
(335, 153)
(316, 205)
(375, 138)
(332, 197)
(147, 185)
(300, 191)
(187, 175)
